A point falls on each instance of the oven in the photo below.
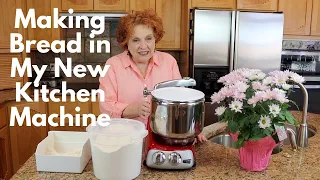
(306, 64)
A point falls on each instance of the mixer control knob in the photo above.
(175, 158)
(158, 158)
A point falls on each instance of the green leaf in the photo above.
(282, 116)
(257, 136)
(240, 142)
(246, 135)
(285, 106)
(275, 137)
(228, 114)
(290, 118)
(249, 93)
(254, 118)
(265, 107)
(268, 131)
(244, 120)
(222, 119)
(241, 123)
(232, 126)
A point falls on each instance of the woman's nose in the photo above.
(143, 44)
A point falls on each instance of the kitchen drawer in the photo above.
(54, 107)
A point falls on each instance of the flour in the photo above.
(52, 151)
(118, 128)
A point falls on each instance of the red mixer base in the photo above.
(174, 160)
(154, 145)
(161, 156)
(159, 153)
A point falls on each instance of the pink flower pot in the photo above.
(255, 155)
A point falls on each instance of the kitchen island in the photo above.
(215, 161)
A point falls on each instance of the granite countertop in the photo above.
(7, 95)
(215, 161)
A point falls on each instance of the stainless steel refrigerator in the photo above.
(236, 39)
(221, 41)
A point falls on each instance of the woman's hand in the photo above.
(200, 138)
(142, 109)
(145, 109)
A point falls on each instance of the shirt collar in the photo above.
(155, 58)
(126, 61)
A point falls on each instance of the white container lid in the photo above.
(178, 94)
(119, 127)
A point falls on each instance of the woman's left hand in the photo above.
(200, 138)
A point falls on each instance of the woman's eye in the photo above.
(149, 38)
(135, 40)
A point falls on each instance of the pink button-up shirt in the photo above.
(123, 84)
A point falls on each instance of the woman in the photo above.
(139, 66)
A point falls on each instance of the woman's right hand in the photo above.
(142, 109)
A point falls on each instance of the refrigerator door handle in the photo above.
(232, 41)
(235, 59)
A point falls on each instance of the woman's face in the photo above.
(141, 44)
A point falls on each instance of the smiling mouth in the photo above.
(144, 53)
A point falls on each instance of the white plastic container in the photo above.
(63, 151)
(117, 148)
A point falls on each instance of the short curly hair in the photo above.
(146, 17)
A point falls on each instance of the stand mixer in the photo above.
(177, 117)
